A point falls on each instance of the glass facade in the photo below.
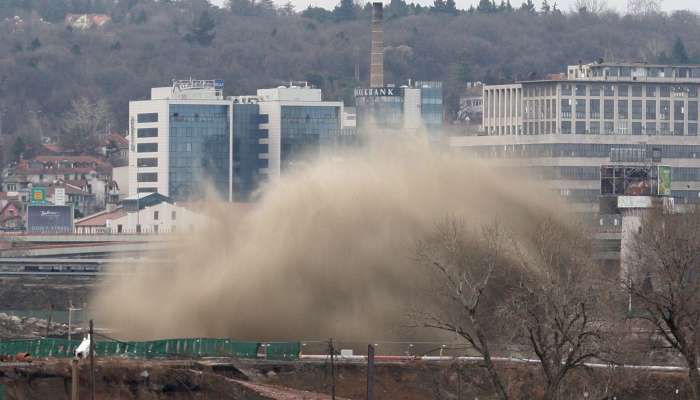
(199, 150)
(384, 111)
(247, 149)
(304, 129)
(431, 107)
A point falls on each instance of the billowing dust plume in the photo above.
(328, 252)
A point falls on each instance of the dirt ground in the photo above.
(235, 379)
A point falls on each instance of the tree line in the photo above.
(537, 292)
(45, 66)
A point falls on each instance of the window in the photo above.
(119, 228)
(651, 91)
(692, 128)
(147, 147)
(595, 127)
(565, 127)
(595, 90)
(609, 109)
(665, 91)
(566, 108)
(173, 215)
(580, 108)
(636, 128)
(566, 90)
(147, 162)
(637, 90)
(678, 129)
(651, 128)
(147, 190)
(651, 109)
(580, 127)
(609, 127)
(609, 90)
(692, 110)
(155, 215)
(147, 132)
(595, 108)
(622, 109)
(636, 109)
(678, 110)
(148, 117)
(147, 177)
(665, 110)
(622, 90)
(580, 90)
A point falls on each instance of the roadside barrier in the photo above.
(190, 347)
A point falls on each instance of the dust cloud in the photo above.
(328, 252)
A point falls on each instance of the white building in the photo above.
(180, 138)
(297, 119)
(147, 213)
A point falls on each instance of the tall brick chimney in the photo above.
(376, 68)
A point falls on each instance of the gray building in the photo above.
(566, 127)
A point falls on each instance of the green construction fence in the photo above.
(186, 347)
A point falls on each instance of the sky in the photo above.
(619, 5)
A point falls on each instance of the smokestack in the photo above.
(376, 68)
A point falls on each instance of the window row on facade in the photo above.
(610, 90)
(612, 109)
(580, 150)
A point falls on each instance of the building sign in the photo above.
(634, 202)
(378, 92)
(49, 219)
(38, 196)
(664, 180)
(191, 84)
(59, 196)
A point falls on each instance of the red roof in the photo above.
(100, 218)
(120, 140)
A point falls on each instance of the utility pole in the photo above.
(370, 372)
(74, 379)
(331, 350)
(92, 362)
(48, 325)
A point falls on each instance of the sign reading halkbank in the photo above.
(378, 92)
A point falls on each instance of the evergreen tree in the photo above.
(528, 6)
(345, 11)
(202, 31)
(486, 6)
(397, 9)
(679, 55)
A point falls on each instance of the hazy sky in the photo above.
(668, 5)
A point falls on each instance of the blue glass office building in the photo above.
(199, 150)
(303, 131)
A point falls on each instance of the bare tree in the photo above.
(84, 123)
(643, 7)
(591, 6)
(664, 281)
(558, 306)
(466, 270)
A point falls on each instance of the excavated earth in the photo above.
(237, 379)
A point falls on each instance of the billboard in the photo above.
(635, 180)
(39, 196)
(49, 219)
(664, 180)
(59, 196)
